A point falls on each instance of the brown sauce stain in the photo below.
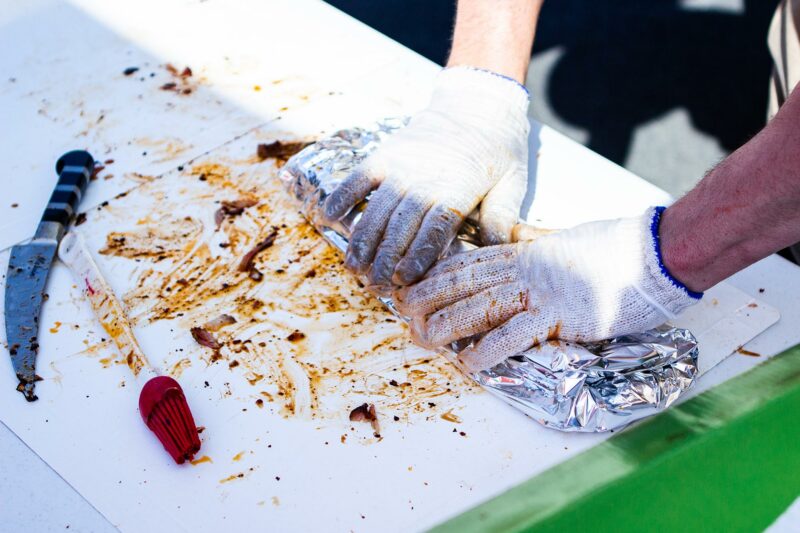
(155, 241)
(232, 477)
(554, 333)
(451, 417)
(204, 459)
(177, 369)
(748, 353)
(55, 327)
(238, 456)
(311, 344)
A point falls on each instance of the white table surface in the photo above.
(64, 72)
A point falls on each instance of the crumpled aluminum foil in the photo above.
(562, 385)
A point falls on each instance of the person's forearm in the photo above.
(745, 209)
(496, 35)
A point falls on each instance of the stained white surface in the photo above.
(310, 44)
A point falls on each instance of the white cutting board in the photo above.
(297, 472)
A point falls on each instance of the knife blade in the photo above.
(29, 266)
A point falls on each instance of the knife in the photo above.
(30, 263)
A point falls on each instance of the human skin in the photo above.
(743, 210)
(495, 35)
(746, 208)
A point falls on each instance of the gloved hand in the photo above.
(588, 283)
(469, 144)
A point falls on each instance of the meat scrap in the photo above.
(95, 171)
(366, 413)
(185, 73)
(296, 336)
(281, 151)
(232, 208)
(246, 264)
(220, 322)
(205, 338)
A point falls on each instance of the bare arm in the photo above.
(495, 35)
(745, 209)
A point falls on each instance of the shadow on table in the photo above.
(626, 61)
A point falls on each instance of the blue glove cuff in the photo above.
(503, 76)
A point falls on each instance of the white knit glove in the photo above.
(589, 283)
(469, 144)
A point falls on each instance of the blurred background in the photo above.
(665, 88)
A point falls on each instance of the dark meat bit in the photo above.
(296, 336)
(233, 208)
(130, 70)
(80, 219)
(366, 413)
(205, 338)
(246, 263)
(186, 72)
(279, 150)
(95, 171)
(170, 86)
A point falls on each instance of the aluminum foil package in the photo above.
(562, 385)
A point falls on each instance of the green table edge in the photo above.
(725, 460)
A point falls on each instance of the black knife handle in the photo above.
(74, 170)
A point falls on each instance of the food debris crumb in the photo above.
(220, 322)
(463, 434)
(232, 208)
(95, 171)
(297, 336)
(748, 353)
(260, 403)
(205, 338)
(451, 417)
(14, 205)
(366, 413)
(761, 290)
(232, 477)
(201, 429)
(130, 70)
(169, 86)
(204, 459)
(246, 263)
(396, 418)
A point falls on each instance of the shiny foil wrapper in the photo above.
(562, 385)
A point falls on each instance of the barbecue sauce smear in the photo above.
(307, 338)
